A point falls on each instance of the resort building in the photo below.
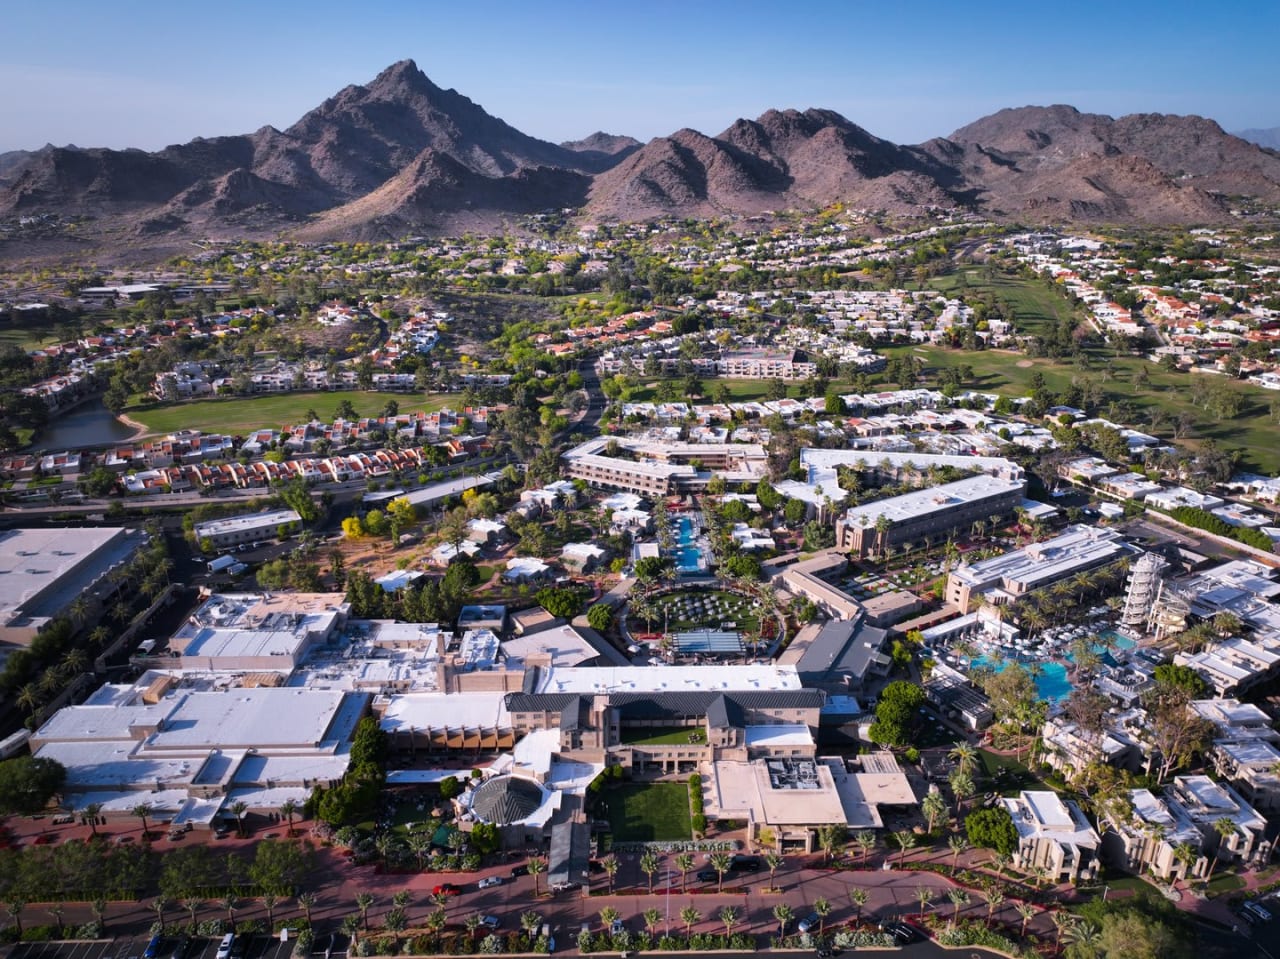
(1147, 839)
(1205, 802)
(932, 513)
(1076, 549)
(805, 579)
(649, 467)
(1053, 834)
(241, 632)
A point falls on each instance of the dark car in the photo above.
(904, 933)
(181, 948)
(745, 863)
(708, 875)
(153, 948)
(518, 871)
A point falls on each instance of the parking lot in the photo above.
(259, 947)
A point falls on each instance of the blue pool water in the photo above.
(687, 554)
(1119, 640)
(1052, 683)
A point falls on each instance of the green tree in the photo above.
(992, 829)
(897, 714)
(27, 784)
(599, 616)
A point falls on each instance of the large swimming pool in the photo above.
(1052, 683)
(688, 556)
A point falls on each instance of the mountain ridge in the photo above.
(402, 153)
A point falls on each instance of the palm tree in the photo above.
(962, 787)
(435, 921)
(231, 904)
(904, 839)
(858, 898)
(685, 863)
(774, 862)
(14, 905)
(1225, 829)
(142, 811)
(1085, 934)
(783, 913)
(690, 916)
(420, 844)
(652, 920)
(364, 901)
(649, 865)
(56, 911)
(91, 813)
(966, 757)
(1063, 921)
(823, 909)
(538, 865)
(289, 809)
(529, 922)
(193, 906)
(1027, 912)
(307, 900)
(933, 806)
(98, 907)
(160, 904)
(959, 899)
(924, 896)
(609, 915)
(351, 926)
(269, 903)
(29, 697)
(994, 898)
(1187, 854)
(958, 845)
(472, 923)
(1000, 860)
(865, 841)
(610, 864)
(721, 862)
(729, 916)
(238, 809)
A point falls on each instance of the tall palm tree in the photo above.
(1225, 829)
(269, 903)
(609, 915)
(160, 904)
(1027, 912)
(865, 841)
(231, 904)
(14, 905)
(472, 923)
(823, 909)
(904, 839)
(289, 809)
(652, 920)
(610, 864)
(774, 862)
(958, 844)
(307, 900)
(193, 906)
(933, 806)
(994, 898)
(685, 863)
(858, 898)
(783, 914)
(530, 921)
(729, 916)
(537, 866)
(959, 899)
(649, 865)
(1187, 854)
(690, 916)
(364, 901)
(965, 756)
(924, 896)
(91, 813)
(962, 787)
(1063, 922)
(1085, 934)
(721, 862)
(142, 811)
(238, 809)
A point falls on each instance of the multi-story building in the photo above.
(1053, 834)
(1148, 833)
(1075, 550)
(234, 530)
(933, 512)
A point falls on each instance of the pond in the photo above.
(90, 424)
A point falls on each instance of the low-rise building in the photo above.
(235, 530)
(1053, 834)
(1147, 833)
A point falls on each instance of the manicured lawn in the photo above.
(655, 812)
(238, 416)
(1005, 774)
(661, 737)
(1224, 882)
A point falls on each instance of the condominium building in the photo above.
(1075, 550)
(1054, 835)
(934, 512)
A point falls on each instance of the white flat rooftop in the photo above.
(262, 718)
(789, 734)
(645, 679)
(447, 711)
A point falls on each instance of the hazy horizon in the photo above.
(148, 75)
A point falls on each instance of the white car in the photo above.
(489, 882)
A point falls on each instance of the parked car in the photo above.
(490, 922)
(447, 889)
(153, 948)
(181, 948)
(488, 882)
(224, 947)
(809, 922)
(518, 871)
(745, 863)
(708, 875)
(616, 927)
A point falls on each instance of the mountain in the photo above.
(401, 154)
(1269, 138)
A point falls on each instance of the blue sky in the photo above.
(147, 74)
